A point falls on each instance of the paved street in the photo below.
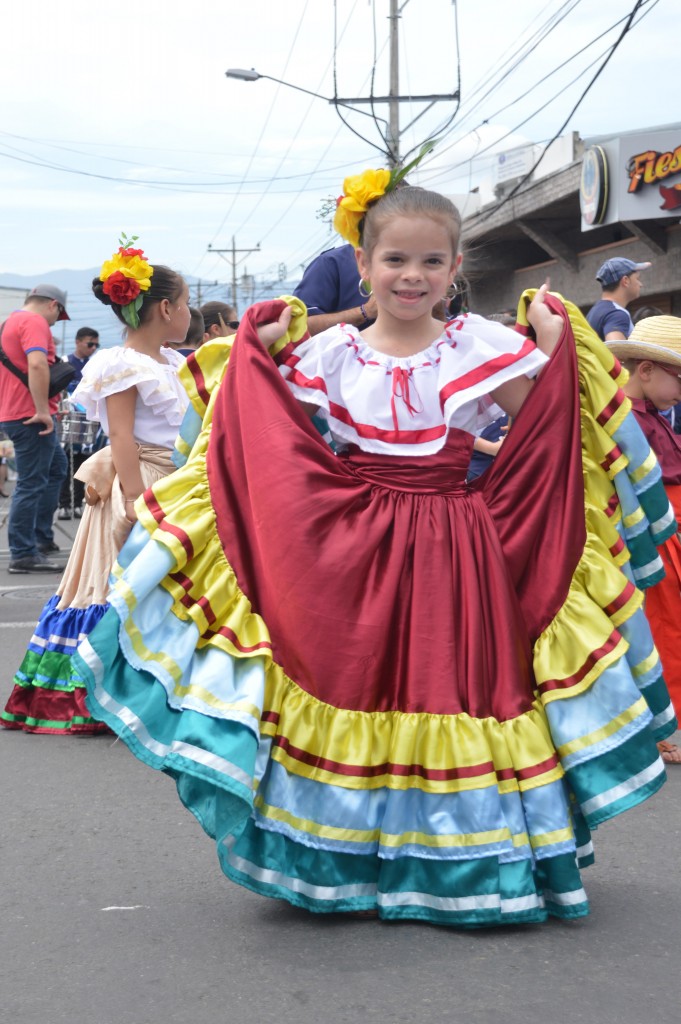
(115, 910)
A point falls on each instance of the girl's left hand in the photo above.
(547, 325)
(269, 333)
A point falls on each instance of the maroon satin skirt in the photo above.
(386, 582)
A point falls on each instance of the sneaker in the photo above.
(78, 512)
(64, 513)
(35, 563)
(49, 548)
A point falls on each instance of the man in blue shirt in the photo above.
(73, 491)
(621, 284)
(86, 344)
(330, 290)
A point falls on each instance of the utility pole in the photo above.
(393, 99)
(198, 285)
(393, 102)
(234, 263)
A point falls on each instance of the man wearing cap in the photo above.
(26, 416)
(621, 284)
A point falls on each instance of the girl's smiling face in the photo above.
(410, 266)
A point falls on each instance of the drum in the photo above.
(72, 425)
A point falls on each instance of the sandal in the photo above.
(669, 752)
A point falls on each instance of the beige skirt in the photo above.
(104, 527)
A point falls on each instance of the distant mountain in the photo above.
(85, 310)
(82, 306)
(69, 280)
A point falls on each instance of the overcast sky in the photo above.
(134, 98)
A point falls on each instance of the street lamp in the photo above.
(245, 75)
(392, 133)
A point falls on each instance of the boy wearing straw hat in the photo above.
(652, 355)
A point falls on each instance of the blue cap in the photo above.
(614, 270)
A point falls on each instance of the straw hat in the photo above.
(657, 338)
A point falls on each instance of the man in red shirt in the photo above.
(27, 417)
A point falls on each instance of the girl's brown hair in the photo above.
(409, 200)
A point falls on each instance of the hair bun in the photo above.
(99, 293)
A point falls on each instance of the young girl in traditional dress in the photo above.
(379, 689)
(134, 392)
(652, 357)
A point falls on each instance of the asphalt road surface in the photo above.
(114, 910)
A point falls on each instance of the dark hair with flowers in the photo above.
(125, 277)
(131, 286)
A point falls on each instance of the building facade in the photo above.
(620, 196)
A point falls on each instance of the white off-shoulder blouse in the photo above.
(161, 400)
(405, 406)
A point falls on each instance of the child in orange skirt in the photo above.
(652, 355)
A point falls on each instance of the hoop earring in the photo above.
(365, 289)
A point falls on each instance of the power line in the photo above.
(264, 127)
(602, 68)
(445, 173)
(294, 135)
(538, 83)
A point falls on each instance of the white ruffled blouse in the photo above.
(405, 406)
(161, 399)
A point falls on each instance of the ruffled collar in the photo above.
(429, 356)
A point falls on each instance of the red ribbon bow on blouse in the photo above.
(403, 387)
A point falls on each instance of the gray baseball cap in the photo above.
(615, 269)
(50, 291)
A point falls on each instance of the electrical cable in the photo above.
(517, 57)
(446, 173)
(383, 135)
(262, 132)
(336, 104)
(536, 85)
(144, 181)
(601, 69)
(294, 135)
(436, 135)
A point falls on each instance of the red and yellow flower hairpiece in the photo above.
(126, 275)
(361, 190)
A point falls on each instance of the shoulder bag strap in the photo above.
(8, 364)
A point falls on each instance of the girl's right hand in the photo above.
(269, 333)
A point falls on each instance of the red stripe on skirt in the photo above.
(612, 457)
(612, 407)
(199, 379)
(591, 661)
(406, 770)
(620, 601)
(230, 635)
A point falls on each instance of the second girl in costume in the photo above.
(134, 392)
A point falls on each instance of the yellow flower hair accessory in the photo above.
(361, 190)
(126, 275)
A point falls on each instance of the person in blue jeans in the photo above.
(41, 467)
(27, 418)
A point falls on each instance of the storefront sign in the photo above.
(593, 189)
(632, 177)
